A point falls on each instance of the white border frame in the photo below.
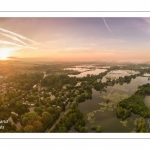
(74, 135)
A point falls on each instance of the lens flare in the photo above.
(4, 54)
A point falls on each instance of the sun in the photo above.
(4, 54)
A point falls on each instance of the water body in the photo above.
(107, 67)
(115, 74)
(94, 72)
(99, 111)
(87, 69)
(77, 69)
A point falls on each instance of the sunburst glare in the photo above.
(4, 54)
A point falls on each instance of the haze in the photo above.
(84, 39)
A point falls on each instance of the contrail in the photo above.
(18, 38)
(14, 38)
(17, 35)
(10, 43)
(18, 45)
(107, 26)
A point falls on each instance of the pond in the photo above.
(94, 72)
(114, 74)
(77, 69)
(101, 110)
(87, 69)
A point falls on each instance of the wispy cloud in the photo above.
(14, 44)
(13, 38)
(17, 35)
(107, 26)
(16, 40)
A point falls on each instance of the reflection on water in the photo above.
(87, 69)
(105, 67)
(77, 69)
(101, 110)
(115, 74)
(94, 72)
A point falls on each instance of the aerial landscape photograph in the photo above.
(74, 75)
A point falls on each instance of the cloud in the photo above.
(18, 36)
(14, 44)
(16, 40)
(13, 38)
(107, 26)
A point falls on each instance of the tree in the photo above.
(96, 128)
(21, 108)
(38, 110)
(46, 119)
(12, 103)
(28, 128)
(50, 110)
(29, 118)
(5, 107)
(84, 129)
(38, 126)
(123, 113)
(32, 119)
(74, 105)
(62, 129)
(99, 129)
(141, 126)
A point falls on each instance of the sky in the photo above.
(87, 39)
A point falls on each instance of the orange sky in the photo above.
(75, 38)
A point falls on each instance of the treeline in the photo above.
(58, 81)
(24, 81)
(83, 97)
(62, 71)
(40, 67)
(92, 80)
(135, 104)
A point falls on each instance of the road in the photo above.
(62, 114)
